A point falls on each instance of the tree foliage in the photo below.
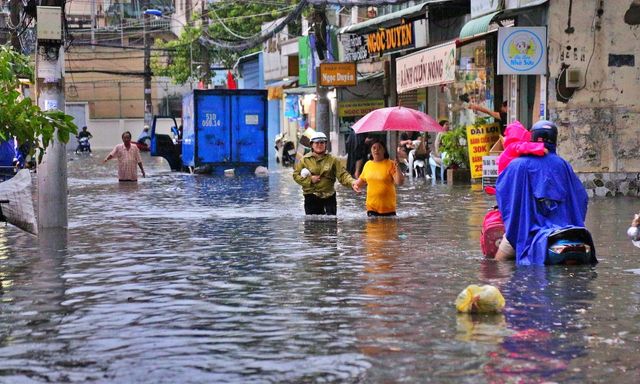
(19, 116)
(227, 20)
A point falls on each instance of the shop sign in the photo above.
(338, 74)
(430, 67)
(355, 47)
(480, 139)
(522, 51)
(489, 170)
(390, 39)
(304, 61)
(483, 7)
(358, 108)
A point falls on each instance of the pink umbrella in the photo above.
(396, 119)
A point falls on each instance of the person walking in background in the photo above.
(85, 133)
(356, 153)
(128, 157)
(500, 115)
(633, 232)
(317, 173)
(435, 152)
(381, 175)
(145, 136)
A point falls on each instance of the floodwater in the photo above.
(198, 279)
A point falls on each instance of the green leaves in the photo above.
(20, 117)
(454, 143)
(228, 21)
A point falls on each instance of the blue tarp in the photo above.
(7, 153)
(536, 196)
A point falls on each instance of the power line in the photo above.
(239, 46)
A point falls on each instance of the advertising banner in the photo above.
(433, 66)
(304, 62)
(338, 74)
(358, 108)
(480, 139)
(522, 51)
(354, 47)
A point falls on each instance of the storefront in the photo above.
(479, 71)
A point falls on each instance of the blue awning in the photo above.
(478, 25)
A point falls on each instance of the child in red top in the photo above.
(517, 142)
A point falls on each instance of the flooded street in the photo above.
(199, 279)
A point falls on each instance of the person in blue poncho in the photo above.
(538, 196)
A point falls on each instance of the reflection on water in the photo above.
(187, 278)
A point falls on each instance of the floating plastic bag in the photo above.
(480, 299)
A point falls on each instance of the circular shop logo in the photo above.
(522, 50)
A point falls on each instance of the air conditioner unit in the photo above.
(573, 78)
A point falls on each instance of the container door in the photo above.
(213, 129)
(249, 133)
(188, 131)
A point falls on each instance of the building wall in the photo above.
(599, 124)
(111, 95)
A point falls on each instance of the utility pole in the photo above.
(205, 27)
(148, 107)
(323, 121)
(52, 171)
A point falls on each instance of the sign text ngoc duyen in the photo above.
(383, 40)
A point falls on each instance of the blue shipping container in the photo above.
(225, 129)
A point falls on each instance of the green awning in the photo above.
(375, 23)
(478, 25)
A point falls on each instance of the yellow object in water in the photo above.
(480, 299)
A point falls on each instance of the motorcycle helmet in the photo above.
(545, 131)
(319, 137)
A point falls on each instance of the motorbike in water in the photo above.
(492, 228)
(569, 245)
(285, 151)
(83, 145)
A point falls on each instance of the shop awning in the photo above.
(377, 22)
(370, 76)
(284, 83)
(478, 25)
(300, 91)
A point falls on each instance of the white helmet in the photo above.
(318, 137)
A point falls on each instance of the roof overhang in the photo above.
(381, 21)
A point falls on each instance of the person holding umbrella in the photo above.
(381, 175)
(317, 173)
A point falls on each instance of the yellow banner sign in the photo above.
(358, 108)
(479, 140)
(338, 74)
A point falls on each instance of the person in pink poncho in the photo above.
(517, 142)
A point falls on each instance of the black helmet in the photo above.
(545, 131)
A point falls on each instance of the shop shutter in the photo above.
(409, 99)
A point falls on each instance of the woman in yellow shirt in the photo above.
(381, 175)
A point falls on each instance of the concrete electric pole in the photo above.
(323, 121)
(206, 76)
(148, 107)
(52, 172)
